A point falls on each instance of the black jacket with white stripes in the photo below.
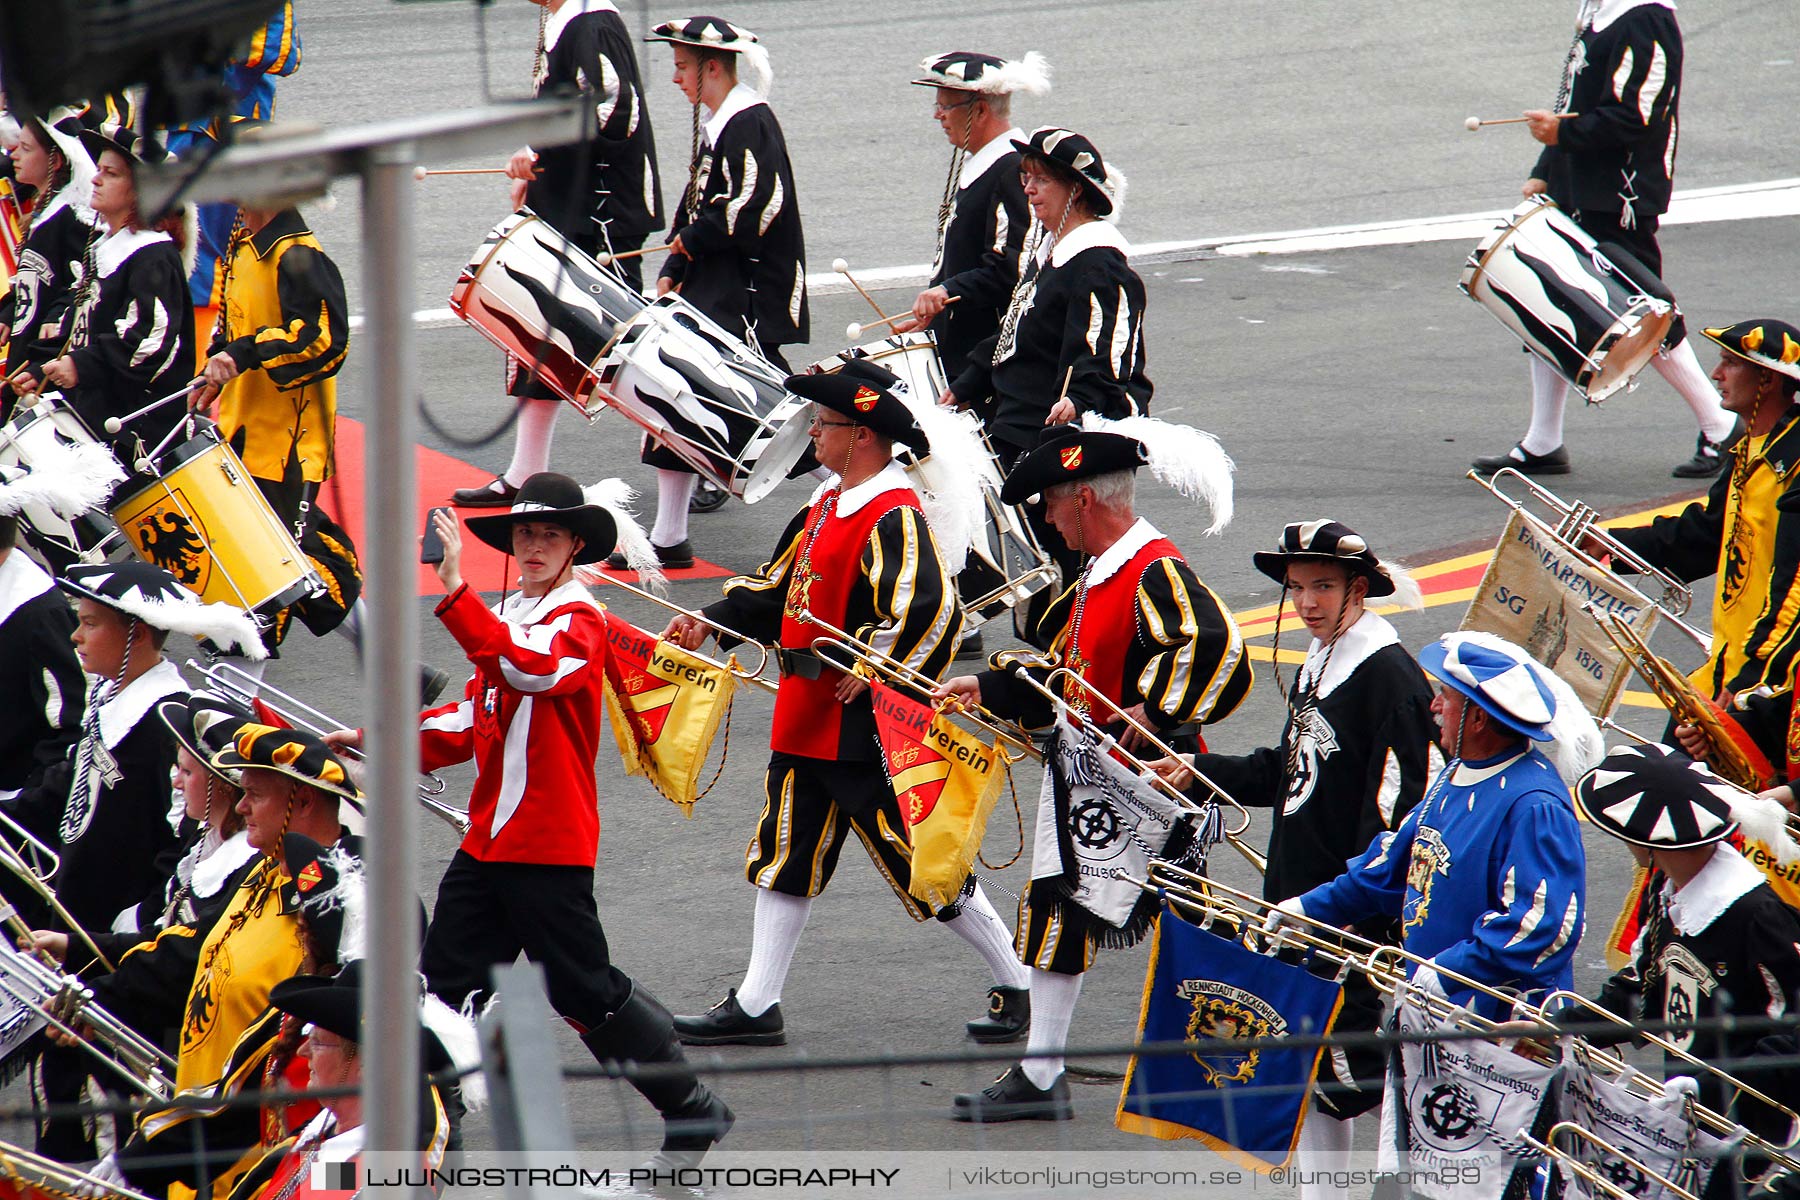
(1081, 316)
(1618, 152)
(608, 191)
(978, 263)
(746, 252)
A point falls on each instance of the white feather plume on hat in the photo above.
(1030, 75)
(217, 622)
(1576, 744)
(614, 495)
(462, 1041)
(1765, 820)
(1407, 593)
(757, 73)
(1115, 187)
(67, 479)
(1187, 459)
(951, 479)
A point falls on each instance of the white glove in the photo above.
(1427, 981)
(104, 1179)
(1289, 912)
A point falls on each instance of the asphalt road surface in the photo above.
(1353, 383)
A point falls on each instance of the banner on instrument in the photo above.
(946, 781)
(1456, 1108)
(664, 705)
(1654, 1135)
(1532, 595)
(19, 1017)
(1097, 822)
(1210, 992)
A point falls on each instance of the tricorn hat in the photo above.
(863, 392)
(1066, 453)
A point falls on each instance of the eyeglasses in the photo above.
(820, 423)
(1036, 178)
(941, 108)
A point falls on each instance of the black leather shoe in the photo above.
(1556, 462)
(727, 1024)
(1008, 1016)
(1709, 456)
(970, 646)
(495, 494)
(707, 497)
(1012, 1097)
(678, 557)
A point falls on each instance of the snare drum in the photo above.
(204, 520)
(1545, 279)
(23, 442)
(913, 357)
(537, 296)
(707, 396)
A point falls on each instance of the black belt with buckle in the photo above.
(802, 664)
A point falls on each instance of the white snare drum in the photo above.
(23, 442)
(534, 294)
(1545, 278)
(706, 396)
(913, 357)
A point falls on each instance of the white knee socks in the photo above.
(673, 491)
(780, 919)
(1549, 396)
(1324, 1148)
(1681, 367)
(1053, 999)
(980, 926)
(531, 441)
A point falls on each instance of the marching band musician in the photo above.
(1716, 941)
(51, 160)
(861, 557)
(1142, 629)
(605, 197)
(280, 340)
(1072, 338)
(1746, 532)
(1609, 162)
(737, 251)
(1355, 754)
(1487, 874)
(129, 337)
(523, 879)
(982, 221)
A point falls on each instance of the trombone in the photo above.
(248, 691)
(731, 664)
(36, 864)
(1233, 834)
(1003, 730)
(1594, 1179)
(61, 999)
(1576, 521)
(1738, 760)
(31, 1174)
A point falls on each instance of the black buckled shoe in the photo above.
(497, 493)
(1555, 462)
(678, 557)
(1709, 458)
(727, 1024)
(1008, 1017)
(1012, 1097)
(708, 497)
(970, 646)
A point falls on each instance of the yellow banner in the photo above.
(664, 705)
(1532, 595)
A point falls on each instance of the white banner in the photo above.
(18, 1020)
(1653, 1135)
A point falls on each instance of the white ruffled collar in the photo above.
(121, 714)
(1722, 882)
(67, 197)
(116, 248)
(1094, 234)
(211, 872)
(559, 20)
(1353, 646)
(1115, 556)
(977, 164)
(520, 609)
(20, 580)
(739, 98)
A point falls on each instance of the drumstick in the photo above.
(842, 267)
(603, 259)
(421, 172)
(1474, 123)
(114, 424)
(855, 329)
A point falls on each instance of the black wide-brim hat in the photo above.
(1066, 453)
(1324, 541)
(556, 500)
(136, 148)
(334, 1004)
(861, 391)
(1657, 797)
(204, 725)
(1076, 154)
(291, 752)
(150, 594)
(1763, 341)
(707, 33)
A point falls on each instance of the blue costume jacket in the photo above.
(1487, 875)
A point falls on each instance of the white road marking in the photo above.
(1695, 206)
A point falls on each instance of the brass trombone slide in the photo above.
(32, 1171)
(1593, 1178)
(1576, 521)
(245, 688)
(835, 638)
(731, 664)
(13, 859)
(62, 999)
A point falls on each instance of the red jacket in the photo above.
(531, 718)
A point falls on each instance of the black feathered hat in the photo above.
(988, 74)
(334, 1004)
(205, 724)
(1334, 542)
(1765, 342)
(862, 392)
(1105, 186)
(708, 33)
(558, 500)
(1657, 797)
(1066, 453)
(291, 752)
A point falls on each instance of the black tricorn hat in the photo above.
(1324, 541)
(334, 1004)
(1066, 453)
(862, 392)
(1658, 797)
(558, 500)
(1765, 342)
